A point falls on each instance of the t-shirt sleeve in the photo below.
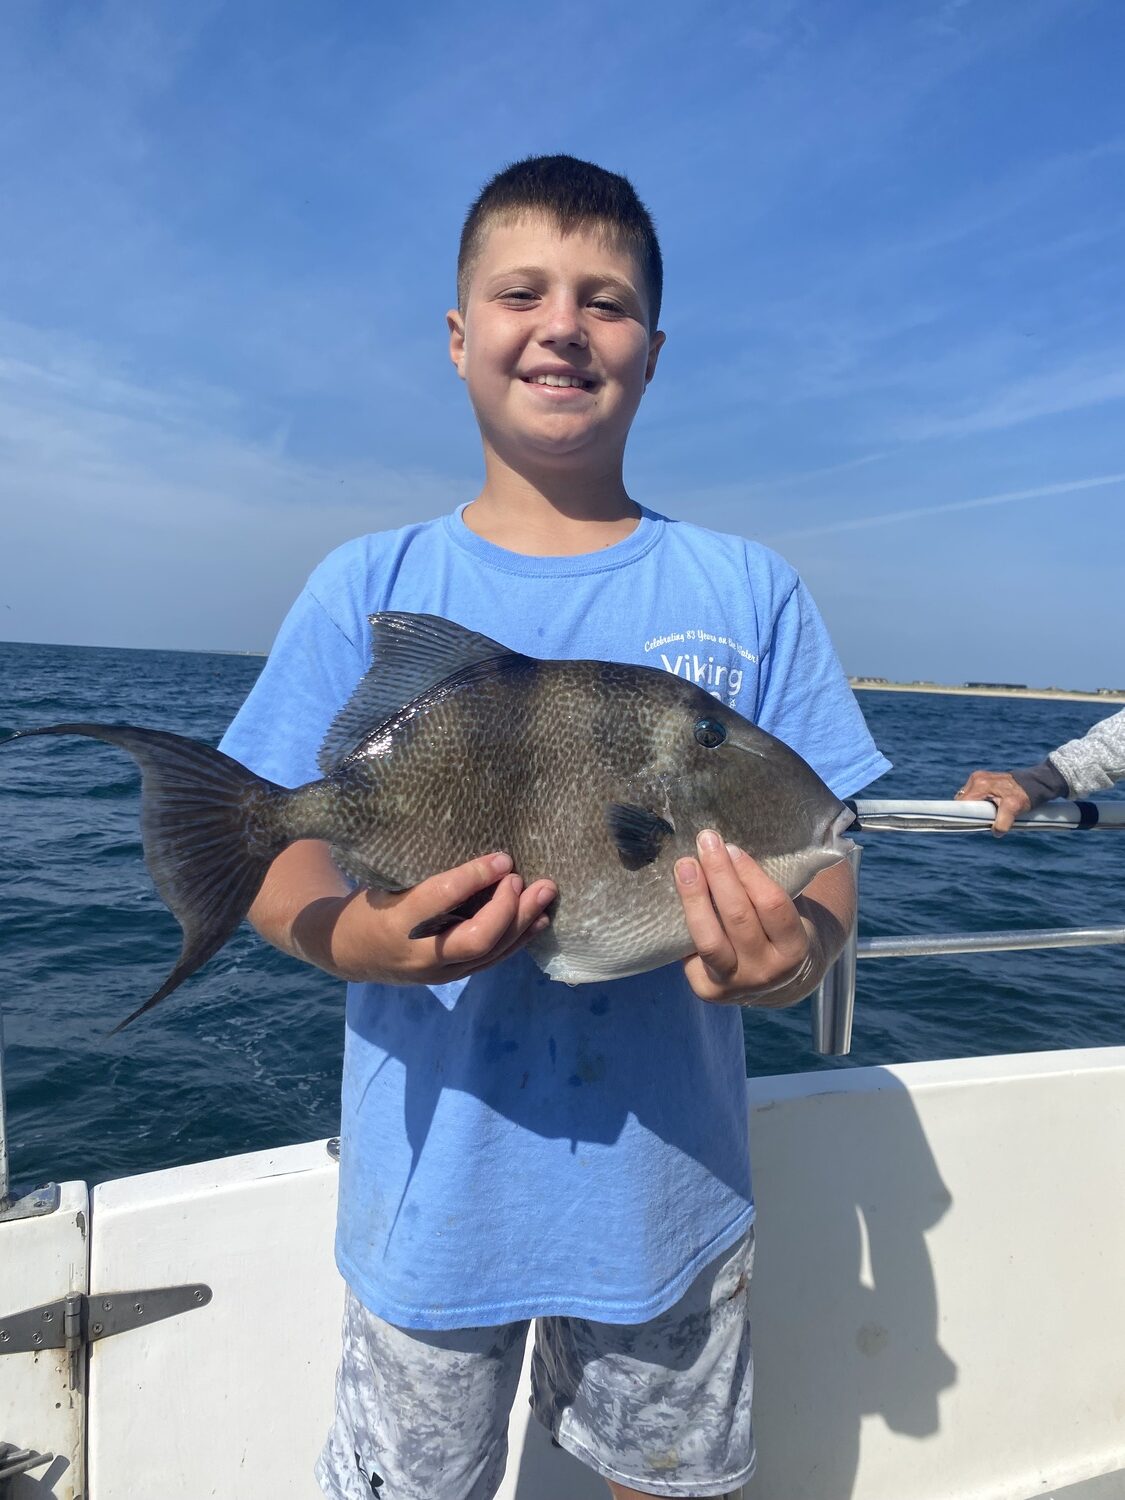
(804, 699)
(310, 674)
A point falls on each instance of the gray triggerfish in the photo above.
(595, 774)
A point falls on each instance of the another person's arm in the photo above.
(1091, 763)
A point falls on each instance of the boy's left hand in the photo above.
(752, 944)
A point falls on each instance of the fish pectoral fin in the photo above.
(638, 833)
(444, 920)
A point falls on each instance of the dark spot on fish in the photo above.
(574, 1081)
(599, 1005)
(552, 1050)
(523, 1080)
(510, 1047)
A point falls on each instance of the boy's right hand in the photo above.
(307, 908)
(508, 917)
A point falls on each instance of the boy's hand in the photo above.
(504, 921)
(754, 946)
(308, 909)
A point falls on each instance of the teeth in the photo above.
(559, 380)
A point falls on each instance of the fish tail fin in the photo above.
(210, 830)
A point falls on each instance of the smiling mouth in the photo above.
(562, 382)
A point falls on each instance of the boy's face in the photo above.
(545, 307)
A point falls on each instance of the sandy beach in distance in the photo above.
(985, 690)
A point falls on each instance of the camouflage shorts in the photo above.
(662, 1407)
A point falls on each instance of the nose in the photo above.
(563, 322)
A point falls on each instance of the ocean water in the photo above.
(247, 1054)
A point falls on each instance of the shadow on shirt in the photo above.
(580, 1064)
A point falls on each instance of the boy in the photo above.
(512, 1148)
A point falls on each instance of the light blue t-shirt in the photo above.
(511, 1146)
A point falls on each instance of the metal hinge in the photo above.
(30, 1205)
(78, 1320)
(14, 1460)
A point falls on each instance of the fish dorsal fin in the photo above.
(409, 655)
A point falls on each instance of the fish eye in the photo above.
(709, 733)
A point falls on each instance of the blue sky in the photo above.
(894, 237)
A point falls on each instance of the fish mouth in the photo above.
(846, 818)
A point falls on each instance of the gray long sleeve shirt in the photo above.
(1095, 761)
(1089, 764)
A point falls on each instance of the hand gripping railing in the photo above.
(833, 1003)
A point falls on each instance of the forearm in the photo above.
(1094, 762)
(1041, 783)
(305, 908)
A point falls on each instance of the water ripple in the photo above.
(247, 1055)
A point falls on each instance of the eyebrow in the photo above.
(530, 272)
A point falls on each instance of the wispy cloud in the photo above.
(920, 512)
(1088, 381)
(154, 516)
(892, 236)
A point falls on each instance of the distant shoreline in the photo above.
(873, 685)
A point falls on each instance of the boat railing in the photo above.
(833, 1003)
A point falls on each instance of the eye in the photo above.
(709, 733)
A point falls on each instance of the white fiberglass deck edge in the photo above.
(939, 1305)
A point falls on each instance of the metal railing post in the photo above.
(4, 1179)
(833, 1001)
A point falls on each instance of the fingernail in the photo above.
(517, 884)
(687, 871)
(734, 851)
(709, 841)
(500, 864)
(545, 898)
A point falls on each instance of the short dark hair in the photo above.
(575, 194)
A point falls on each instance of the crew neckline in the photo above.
(640, 540)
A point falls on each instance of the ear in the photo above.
(457, 343)
(656, 343)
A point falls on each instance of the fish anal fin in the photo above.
(444, 920)
(637, 832)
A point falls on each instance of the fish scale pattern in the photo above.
(530, 758)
